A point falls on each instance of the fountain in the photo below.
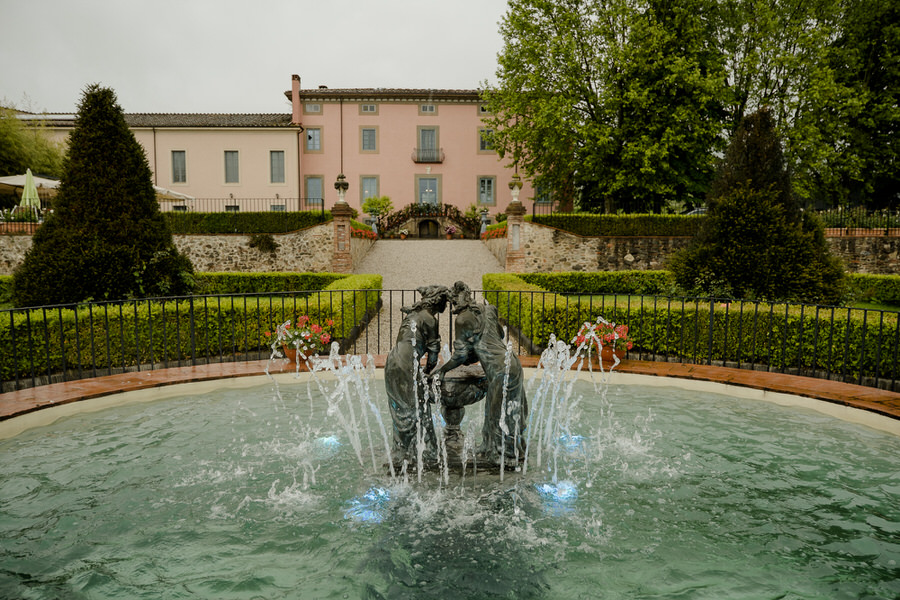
(286, 487)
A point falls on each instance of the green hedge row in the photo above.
(100, 338)
(243, 222)
(235, 283)
(622, 225)
(258, 283)
(648, 283)
(786, 337)
(877, 289)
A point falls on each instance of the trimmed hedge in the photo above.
(879, 289)
(591, 225)
(110, 337)
(243, 222)
(258, 283)
(648, 283)
(792, 338)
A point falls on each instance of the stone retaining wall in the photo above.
(547, 249)
(308, 250)
(497, 246)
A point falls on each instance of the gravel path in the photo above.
(408, 264)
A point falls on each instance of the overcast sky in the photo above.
(238, 56)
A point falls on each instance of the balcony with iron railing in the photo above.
(428, 155)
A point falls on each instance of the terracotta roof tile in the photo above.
(388, 93)
(208, 120)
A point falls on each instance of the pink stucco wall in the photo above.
(397, 120)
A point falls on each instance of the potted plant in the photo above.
(608, 339)
(404, 233)
(302, 339)
(450, 230)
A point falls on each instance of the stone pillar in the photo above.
(342, 261)
(515, 255)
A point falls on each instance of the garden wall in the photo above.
(308, 250)
(547, 249)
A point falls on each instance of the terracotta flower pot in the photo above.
(607, 352)
(290, 353)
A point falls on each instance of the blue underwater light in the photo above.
(370, 507)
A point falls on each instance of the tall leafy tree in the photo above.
(616, 101)
(106, 238)
(862, 115)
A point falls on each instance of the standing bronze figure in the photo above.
(404, 377)
(479, 338)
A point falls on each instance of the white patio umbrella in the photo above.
(31, 202)
(29, 192)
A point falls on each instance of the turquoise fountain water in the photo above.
(281, 491)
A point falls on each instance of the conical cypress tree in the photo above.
(756, 243)
(106, 239)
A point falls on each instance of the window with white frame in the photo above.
(369, 139)
(179, 166)
(314, 189)
(427, 109)
(368, 109)
(486, 190)
(312, 108)
(232, 167)
(276, 166)
(314, 139)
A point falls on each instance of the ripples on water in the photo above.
(249, 494)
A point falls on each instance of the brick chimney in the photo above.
(295, 100)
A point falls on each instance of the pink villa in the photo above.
(412, 145)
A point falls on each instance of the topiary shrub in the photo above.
(755, 242)
(106, 238)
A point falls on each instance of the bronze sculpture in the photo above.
(480, 368)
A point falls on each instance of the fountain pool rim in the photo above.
(119, 394)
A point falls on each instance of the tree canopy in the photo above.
(106, 238)
(27, 147)
(628, 104)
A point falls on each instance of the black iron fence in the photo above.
(62, 343)
(877, 222)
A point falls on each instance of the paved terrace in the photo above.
(29, 400)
